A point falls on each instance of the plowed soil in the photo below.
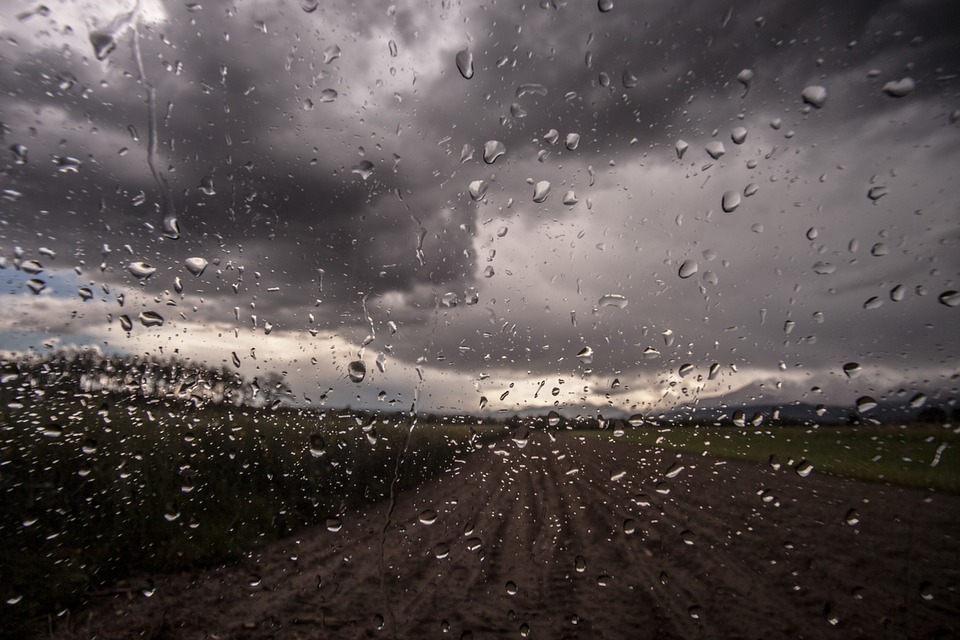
(583, 538)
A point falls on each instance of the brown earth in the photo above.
(536, 541)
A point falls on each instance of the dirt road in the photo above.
(585, 539)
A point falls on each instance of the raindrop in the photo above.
(613, 300)
(235, 359)
(334, 524)
(66, 164)
(776, 123)
(570, 198)
(511, 588)
(392, 46)
(364, 169)
(636, 420)
(195, 265)
(715, 149)
(685, 370)
(318, 446)
(739, 418)
(899, 88)
(738, 135)
(328, 95)
(714, 371)
(85, 293)
(898, 293)
(852, 370)
(629, 79)
(151, 319)
(681, 148)
(572, 141)
(466, 154)
(553, 418)
(803, 468)
(814, 95)
(126, 323)
(141, 270)
(865, 404)
(428, 517)
(824, 268)
(875, 193)
(629, 526)
(206, 186)
(540, 191)
(521, 436)
(103, 43)
(493, 149)
(873, 303)
(465, 63)
(552, 136)
(745, 77)
(730, 201)
(357, 371)
(585, 355)
(331, 53)
(309, 6)
(688, 268)
(36, 285)
(688, 537)
(926, 591)
(19, 153)
(949, 298)
(605, 5)
(750, 189)
(477, 189)
(580, 564)
(852, 517)
(531, 89)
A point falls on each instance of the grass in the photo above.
(899, 455)
(98, 488)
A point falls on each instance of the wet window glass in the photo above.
(479, 319)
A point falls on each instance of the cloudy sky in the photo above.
(329, 161)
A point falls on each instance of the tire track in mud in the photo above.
(535, 541)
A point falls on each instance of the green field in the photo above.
(899, 455)
(99, 488)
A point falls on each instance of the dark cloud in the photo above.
(244, 110)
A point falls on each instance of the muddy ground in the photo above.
(569, 538)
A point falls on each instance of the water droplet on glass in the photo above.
(309, 6)
(898, 293)
(477, 189)
(85, 293)
(331, 53)
(540, 191)
(688, 537)
(328, 95)
(803, 468)
(685, 370)
(745, 77)
(852, 517)
(605, 5)
(899, 88)
(865, 404)
(493, 149)
(151, 319)
(688, 268)
(824, 268)
(531, 89)
(714, 371)
(585, 355)
(392, 46)
(949, 298)
(103, 43)
(318, 446)
(750, 189)
(428, 517)
(613, 300)
(364, 169)
(357, 371)
(141, 270)
(875, 193)
(466, 154)
(553, 418)
(552, 136)
(926, 591)
(126, 323)
(206, 186)
(465, 63)
(66, 164)
(511, 588)
(681, 148)
(334, 524)
(196, 266)
(738, 135)
(715, 149)
(730, 201)
(814, 95)
(873, 303)
(572, 141)
(852, 370)
(580, 564)
(19, 153)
